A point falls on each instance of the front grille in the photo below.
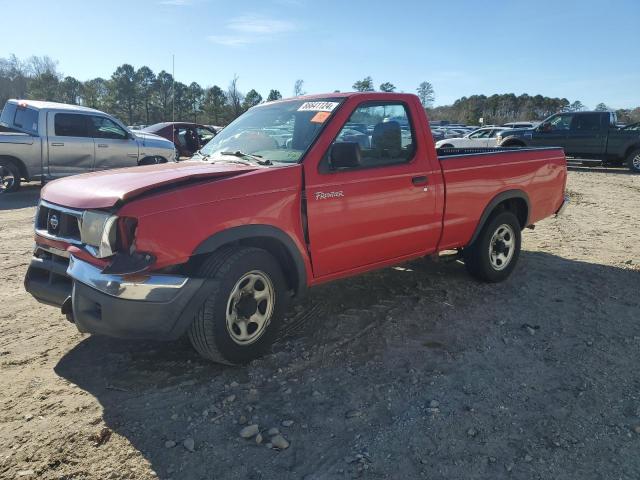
(59, 223)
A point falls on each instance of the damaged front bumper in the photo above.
(149, 306)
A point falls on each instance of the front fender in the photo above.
(255, 233)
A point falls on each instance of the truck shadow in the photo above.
(27, 196)
(595, 166)
(152, 393)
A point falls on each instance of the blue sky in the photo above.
(583, 50)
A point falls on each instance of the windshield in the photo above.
(281, 132)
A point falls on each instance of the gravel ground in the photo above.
(410, 372)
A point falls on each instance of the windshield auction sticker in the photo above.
(320, 117)
(318, 106)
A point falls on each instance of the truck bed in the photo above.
(473, 176)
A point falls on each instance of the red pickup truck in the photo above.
(292, 194)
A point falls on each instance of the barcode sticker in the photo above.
(318, 106)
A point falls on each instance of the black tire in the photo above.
(9, 177)
(447, 145)
(151, 160)
(210, 333)
(633, 161)
(480, 263)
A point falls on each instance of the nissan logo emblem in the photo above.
(53, 222)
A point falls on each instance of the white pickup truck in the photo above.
(46, 140)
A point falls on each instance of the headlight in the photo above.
(99, 231)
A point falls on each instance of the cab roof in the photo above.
(39, 105)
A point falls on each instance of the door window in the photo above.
(559, 123)
(70, 125)
(103, 127)
(588, 122)
(480, 134)
(383, 131)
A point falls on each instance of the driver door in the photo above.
(478, 138)
(553, 132)
(384, 208)
(114, 146)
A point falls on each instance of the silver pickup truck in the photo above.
(46, 140)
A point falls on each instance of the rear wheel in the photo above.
(9, 177)
(242, 315)
(152, 160)
(494, 254)
(633, 161)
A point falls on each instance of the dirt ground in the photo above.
(411, 372)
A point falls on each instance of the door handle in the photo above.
(421, 180)
(57, 144)
(102, 145)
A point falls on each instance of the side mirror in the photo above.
(345, 155)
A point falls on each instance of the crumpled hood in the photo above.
(107, 188)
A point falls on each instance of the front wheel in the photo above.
(241, 317)
(633, 160)
(494, 254)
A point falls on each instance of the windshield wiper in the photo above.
(255, 158)
(203, 156)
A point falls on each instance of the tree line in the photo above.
(498, 109)
(137, 96)
(140, 96)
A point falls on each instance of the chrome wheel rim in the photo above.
(250, 307)
(501, 247)
(636, 162)
(7, 180)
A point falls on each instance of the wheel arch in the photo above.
(151, 160)
(631, 148)
(266, 237)
(513, 142)
(24, 173)
(516, 201)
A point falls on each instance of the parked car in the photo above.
(51, 140)
(215, 248)
(483, 137)
(581, 134)
(454, 132)
(513, 125)
(188, 138)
